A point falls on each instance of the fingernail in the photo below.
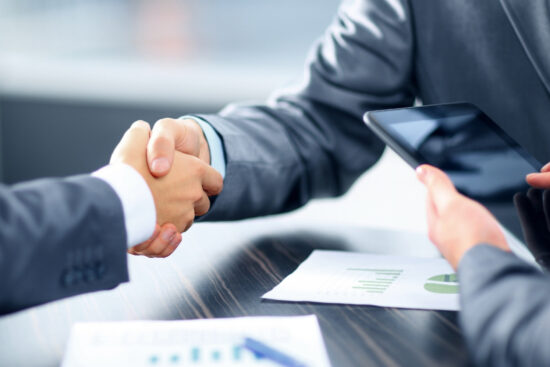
(168, 235)
(421, 172)
(546, 167)
(139, 123)
(160, 165)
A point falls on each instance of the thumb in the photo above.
(441, 190)
(134, 140)
(168, 136)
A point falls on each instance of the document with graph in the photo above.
(365, 279)
(212, 342)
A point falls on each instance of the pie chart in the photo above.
(442, 284)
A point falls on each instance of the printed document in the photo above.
(365, 279)
(211, 342)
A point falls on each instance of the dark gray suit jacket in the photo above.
(58, 238)
(310, 141)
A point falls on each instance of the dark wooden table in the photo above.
(221, 270)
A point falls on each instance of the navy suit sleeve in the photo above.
(58, 238)
(310, 141)
(505, 308)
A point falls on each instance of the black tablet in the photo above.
(483, 162)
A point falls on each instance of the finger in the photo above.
(135, 137)
(138, 133)
(539, 180)
(526, 212)
(546, 167)
(171, 247)
(136, 250)
(533, 225)
(168, 136)
(535, 197)
(168, 236)
(212, 181)
(432, 218)
(441, 190)
(202, 206)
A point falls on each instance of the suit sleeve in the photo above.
(58, 238)
(505, 308)
(310, 141)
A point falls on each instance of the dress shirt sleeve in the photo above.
(136, 198)
(215, 145)
(505, 305)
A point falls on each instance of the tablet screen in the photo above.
(483, 162)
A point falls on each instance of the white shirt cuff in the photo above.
(217, 155)
(137, 201)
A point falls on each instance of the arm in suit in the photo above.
(58, 238)
(310, 141)
(505, 301)
(505, 308)
(62, 237)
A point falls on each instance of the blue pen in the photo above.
(260, 349)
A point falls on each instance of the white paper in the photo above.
(211, 342)
(365, 279)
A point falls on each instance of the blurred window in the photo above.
(265, 32)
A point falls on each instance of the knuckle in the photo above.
(196, 195)
(187, 220)
(192, 125)
(203, 209)
(199, 167)
(218, 184)
(206, 206)
(164, 123)
(189, 217)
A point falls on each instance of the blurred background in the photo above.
(74, 74)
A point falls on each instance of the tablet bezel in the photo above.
(380, 120)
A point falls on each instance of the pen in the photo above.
(260, 349)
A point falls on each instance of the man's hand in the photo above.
(455, 222)
(171, 135)
(540, 180)
(178, 196)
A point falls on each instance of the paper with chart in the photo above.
(212, 342)
(365, 279)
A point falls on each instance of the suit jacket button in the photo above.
(100, 270)
(67, 278)
(78, 275)
(89, 274)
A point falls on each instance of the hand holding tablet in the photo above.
(482, 161)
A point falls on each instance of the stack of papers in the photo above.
(365, 279)
(213, 342)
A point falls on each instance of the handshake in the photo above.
(174, 160)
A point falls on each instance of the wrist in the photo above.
(204, 149)
(496, 240)
(136, 198)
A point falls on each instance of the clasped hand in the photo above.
(175, 162)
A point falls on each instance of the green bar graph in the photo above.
(377, 280)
